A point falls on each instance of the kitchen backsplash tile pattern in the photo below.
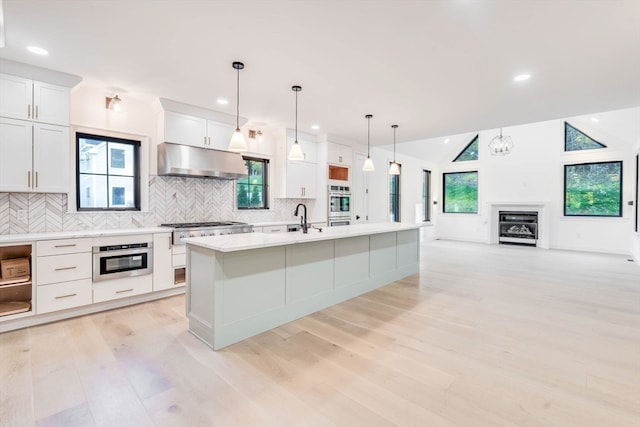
(171, 199)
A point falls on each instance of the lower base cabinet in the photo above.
(61, 296)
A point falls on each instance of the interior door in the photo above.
(359, 192)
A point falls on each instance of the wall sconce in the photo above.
(113, 103)
(255, 134)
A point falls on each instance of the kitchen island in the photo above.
(240, 285)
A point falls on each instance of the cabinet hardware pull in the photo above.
(70, 245)
(28, 111)
(124, 290)
(205, 140)
(66, 296)
(65, 268)
(209, 139)
(36, 111)
(169, 242)
(340, 159)
(29, 179)
(36, 179)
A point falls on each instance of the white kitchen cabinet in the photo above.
(27, 99)
(34, 157)
(196, 131)
(63, 272)
(163, 277)
(309, 149)
(339, 154)
(301, 180)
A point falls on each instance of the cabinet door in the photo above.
(50, 158)
(339, 154)
(301, 180)
(51, 104)
(219, 135)
(162, 270)
(15, 155)
(183, 129)
(16, 95)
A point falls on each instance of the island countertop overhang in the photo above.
(241, 242)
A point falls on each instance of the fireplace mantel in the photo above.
(543, 219)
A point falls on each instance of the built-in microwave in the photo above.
(114, 261)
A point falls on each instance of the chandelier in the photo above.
(501, 145)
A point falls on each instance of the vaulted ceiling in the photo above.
(433, 67)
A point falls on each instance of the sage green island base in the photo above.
(241, 285)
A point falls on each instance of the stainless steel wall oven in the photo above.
(339, 205)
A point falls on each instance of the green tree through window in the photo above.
(593, 189)
(252, 191)
(460, 192)
(575, 140)
(470, 152)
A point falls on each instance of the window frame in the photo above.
(564, 193)
(473, 140)
(137, 167)
(569, 125)
(444, 191)
(265, 184)
(395, 196)
(426, 195)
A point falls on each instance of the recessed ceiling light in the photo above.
(446, 141)
(222, 101)
(315, 127)
(595, 119)
(521, 77)
(37, 50)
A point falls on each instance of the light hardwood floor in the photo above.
(483, 336)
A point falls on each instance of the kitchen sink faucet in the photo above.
(303, 218)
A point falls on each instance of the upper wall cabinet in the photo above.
(199, 132)
(339, 154)
(200, 127)
(27, 99)
(296, 179)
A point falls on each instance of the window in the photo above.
(470, 152)
(394, 196)
(426, 195)
(575, 140)
(637, 191)
(593, 189)
(252, 192)
(460, 192)
(108, 173)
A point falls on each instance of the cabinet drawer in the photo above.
(121, 288)
(179, 260)
(274, 229)
(63, 246)
(63, 268)
(61, 296)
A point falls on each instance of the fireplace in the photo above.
(518, 227)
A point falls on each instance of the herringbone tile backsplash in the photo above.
(171, 199)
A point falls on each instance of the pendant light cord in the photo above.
(296, 116)
(238, 101)
(394, 142)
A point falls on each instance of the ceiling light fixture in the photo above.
(595, 119)
(394, 169)
(113, 103)
(501, 145)
(446, 141)
(237, 143)
(368, 163)
(296, 151)
(37, 50)
(315, 127)
(222, 101)
(521, 77)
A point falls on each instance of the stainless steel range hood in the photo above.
(185, 160)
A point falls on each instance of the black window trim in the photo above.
(474, 139)
(585, 134)
(398, 214)
(564, 192)
(136, 171)
(265, 185)
(444, 199)
(427, 211)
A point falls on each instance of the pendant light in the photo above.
(368, 163)
(296, 151)
(395, 167)
(501, 145)
(238, 143)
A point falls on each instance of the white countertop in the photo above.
(31, 237)
(241, 242)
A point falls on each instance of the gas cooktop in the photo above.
(202, 224)
(203, 229)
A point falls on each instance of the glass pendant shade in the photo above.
(238, 144)
(368, 165)
(394, 169)
(296, 152)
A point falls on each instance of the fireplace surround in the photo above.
(542, 208)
